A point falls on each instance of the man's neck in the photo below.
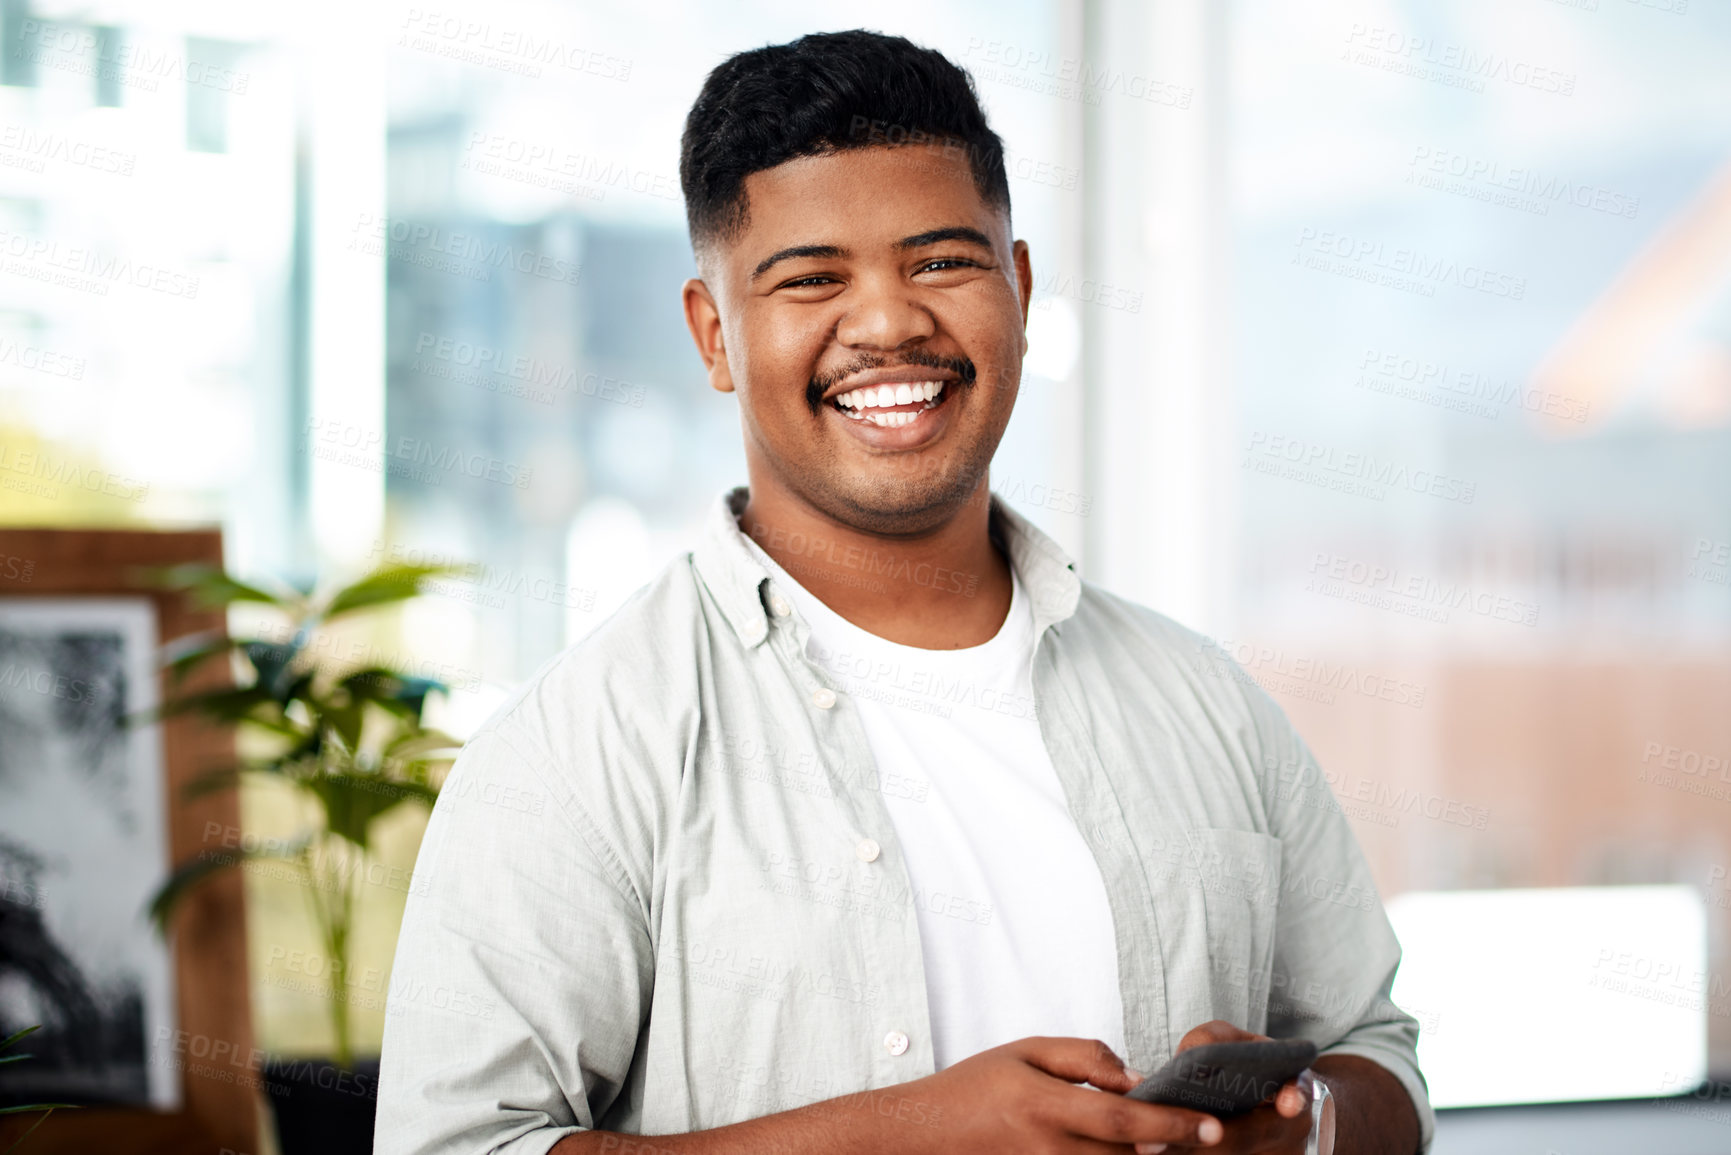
(941, 590)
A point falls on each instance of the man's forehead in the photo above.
(842, 163)
(859, 198)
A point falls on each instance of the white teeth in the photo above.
(884, 396)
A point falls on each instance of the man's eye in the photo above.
(949, 262)
(814, 279)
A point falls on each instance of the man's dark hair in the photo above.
(825, 93)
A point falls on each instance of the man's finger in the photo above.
(1217, 1031)
(1114, 1119)
(1291, 1100)
(1265, 1129)
(1078, 1061)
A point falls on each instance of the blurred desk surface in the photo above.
(1651, 1127)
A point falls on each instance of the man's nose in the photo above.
(884, 314)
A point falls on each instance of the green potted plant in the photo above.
(47, 1109)
(354, 744)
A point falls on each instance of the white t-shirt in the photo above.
(1015, 930)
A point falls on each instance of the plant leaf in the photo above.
(12, 1039)
(419, 743)
(185, 653)
(346, 721)
(352, 801)
(194, 871)
(392, 583)
(228, 705)
(210, 588)
(274, 662)
(46, 1110)
(414, 691)
(402, 694)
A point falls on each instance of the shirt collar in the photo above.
(735, 578)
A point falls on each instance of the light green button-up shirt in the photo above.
(642, 903)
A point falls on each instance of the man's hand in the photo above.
(1022, 1097)
(1280, 1126)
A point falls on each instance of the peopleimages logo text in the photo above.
(1543, 188)
(1358, 468)
(415, 237)
(1424, 269)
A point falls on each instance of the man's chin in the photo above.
(891, 506)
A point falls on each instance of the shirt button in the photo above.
(895, 1043)
(823, 697)
(867, 850)
(779, 605)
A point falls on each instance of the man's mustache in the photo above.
(821, 384)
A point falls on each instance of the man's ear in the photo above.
(703, 318)
(1024, 285)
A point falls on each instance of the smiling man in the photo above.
(868, 826)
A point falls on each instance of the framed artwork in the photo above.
(151, 1036)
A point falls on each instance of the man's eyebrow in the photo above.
(826, 251)
(963, 233)
(952, 233)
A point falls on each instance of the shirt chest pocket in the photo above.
(1238, 874)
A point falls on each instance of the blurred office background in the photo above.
(1388, 342)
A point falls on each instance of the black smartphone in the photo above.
(1227, 1078)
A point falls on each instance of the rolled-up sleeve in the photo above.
(1335, 954)
(522, 972)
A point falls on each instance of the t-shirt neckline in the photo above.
(829, 626)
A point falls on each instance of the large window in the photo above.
(1388, 342)
(1479, 330)
(406, 285)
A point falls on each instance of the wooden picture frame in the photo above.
(212, 1053)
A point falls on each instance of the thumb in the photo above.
(1217, 1031)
